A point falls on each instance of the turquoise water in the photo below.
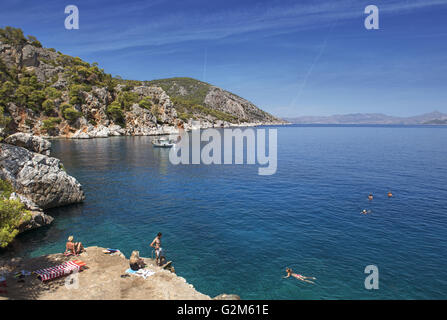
(227, 229)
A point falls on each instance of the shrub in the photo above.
(116, 113)
(126, 99)
(6, 92)
(50, 124)
(64, 106)
(34, 41)
(5, 189)
(12, 214)
(12, 36)
(48, 106)
(4, 121)
(146, 103)
(35, 100)
(71, 114)
(75, 94)
(52, 93)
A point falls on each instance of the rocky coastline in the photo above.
(91, 132)
(39, 181)
(103, 279)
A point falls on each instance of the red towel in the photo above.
(60, 270)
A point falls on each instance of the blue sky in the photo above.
(290, 58)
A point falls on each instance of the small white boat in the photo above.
(163, 142)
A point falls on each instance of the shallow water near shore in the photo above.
(229, 230)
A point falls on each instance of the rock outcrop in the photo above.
(40, 181)
(40, 178)
(102, 280)
(30, 142)
(40, 84)
(225, 296)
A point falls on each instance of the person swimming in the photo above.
(364, 211)
(298, 276)
(390, 194)
(370, 196)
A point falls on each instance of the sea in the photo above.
(228, 229)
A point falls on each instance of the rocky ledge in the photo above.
(104, 279)
(40, 181)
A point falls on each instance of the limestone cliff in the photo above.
(47, 93)
(40, 182)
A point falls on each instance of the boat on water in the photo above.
(163, 142)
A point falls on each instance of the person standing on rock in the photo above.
(156, 244)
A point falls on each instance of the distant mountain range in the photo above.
(372, 118)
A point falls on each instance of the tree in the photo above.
(71, 114)
(115, 112)
(146, 103)
(52, 93)
(49, 125)
(12, 214)
(12, 36)
(126, 99)
(34, 41)
(75, 94)
(4, 121)
(48, 106)
(6, 92)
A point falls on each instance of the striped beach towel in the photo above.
(60, 270)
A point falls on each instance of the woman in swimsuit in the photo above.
(73, 247)
(298, 276)
(135, 262)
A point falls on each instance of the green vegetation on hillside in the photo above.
(188, 89)
(12, 214)
(59, 85)
(187, 109)
(22, 87)
(50, 124)
(116, 113)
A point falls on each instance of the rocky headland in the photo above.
(47, 93)
(102, 280)
(39, 181)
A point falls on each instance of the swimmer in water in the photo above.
(364, 211)
(370, 196)
(390, 194)
(298, 276)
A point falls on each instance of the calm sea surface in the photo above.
(229, 230)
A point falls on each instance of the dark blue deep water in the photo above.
(227, 229)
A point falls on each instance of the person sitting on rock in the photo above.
(74, 248)
(136, 263)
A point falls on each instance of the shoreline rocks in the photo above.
(105, 279)
(40, 181)
(30, 142)
(91, 132)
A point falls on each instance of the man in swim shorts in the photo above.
(159, 254)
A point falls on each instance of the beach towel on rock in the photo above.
(60, 270)
(141, 272)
